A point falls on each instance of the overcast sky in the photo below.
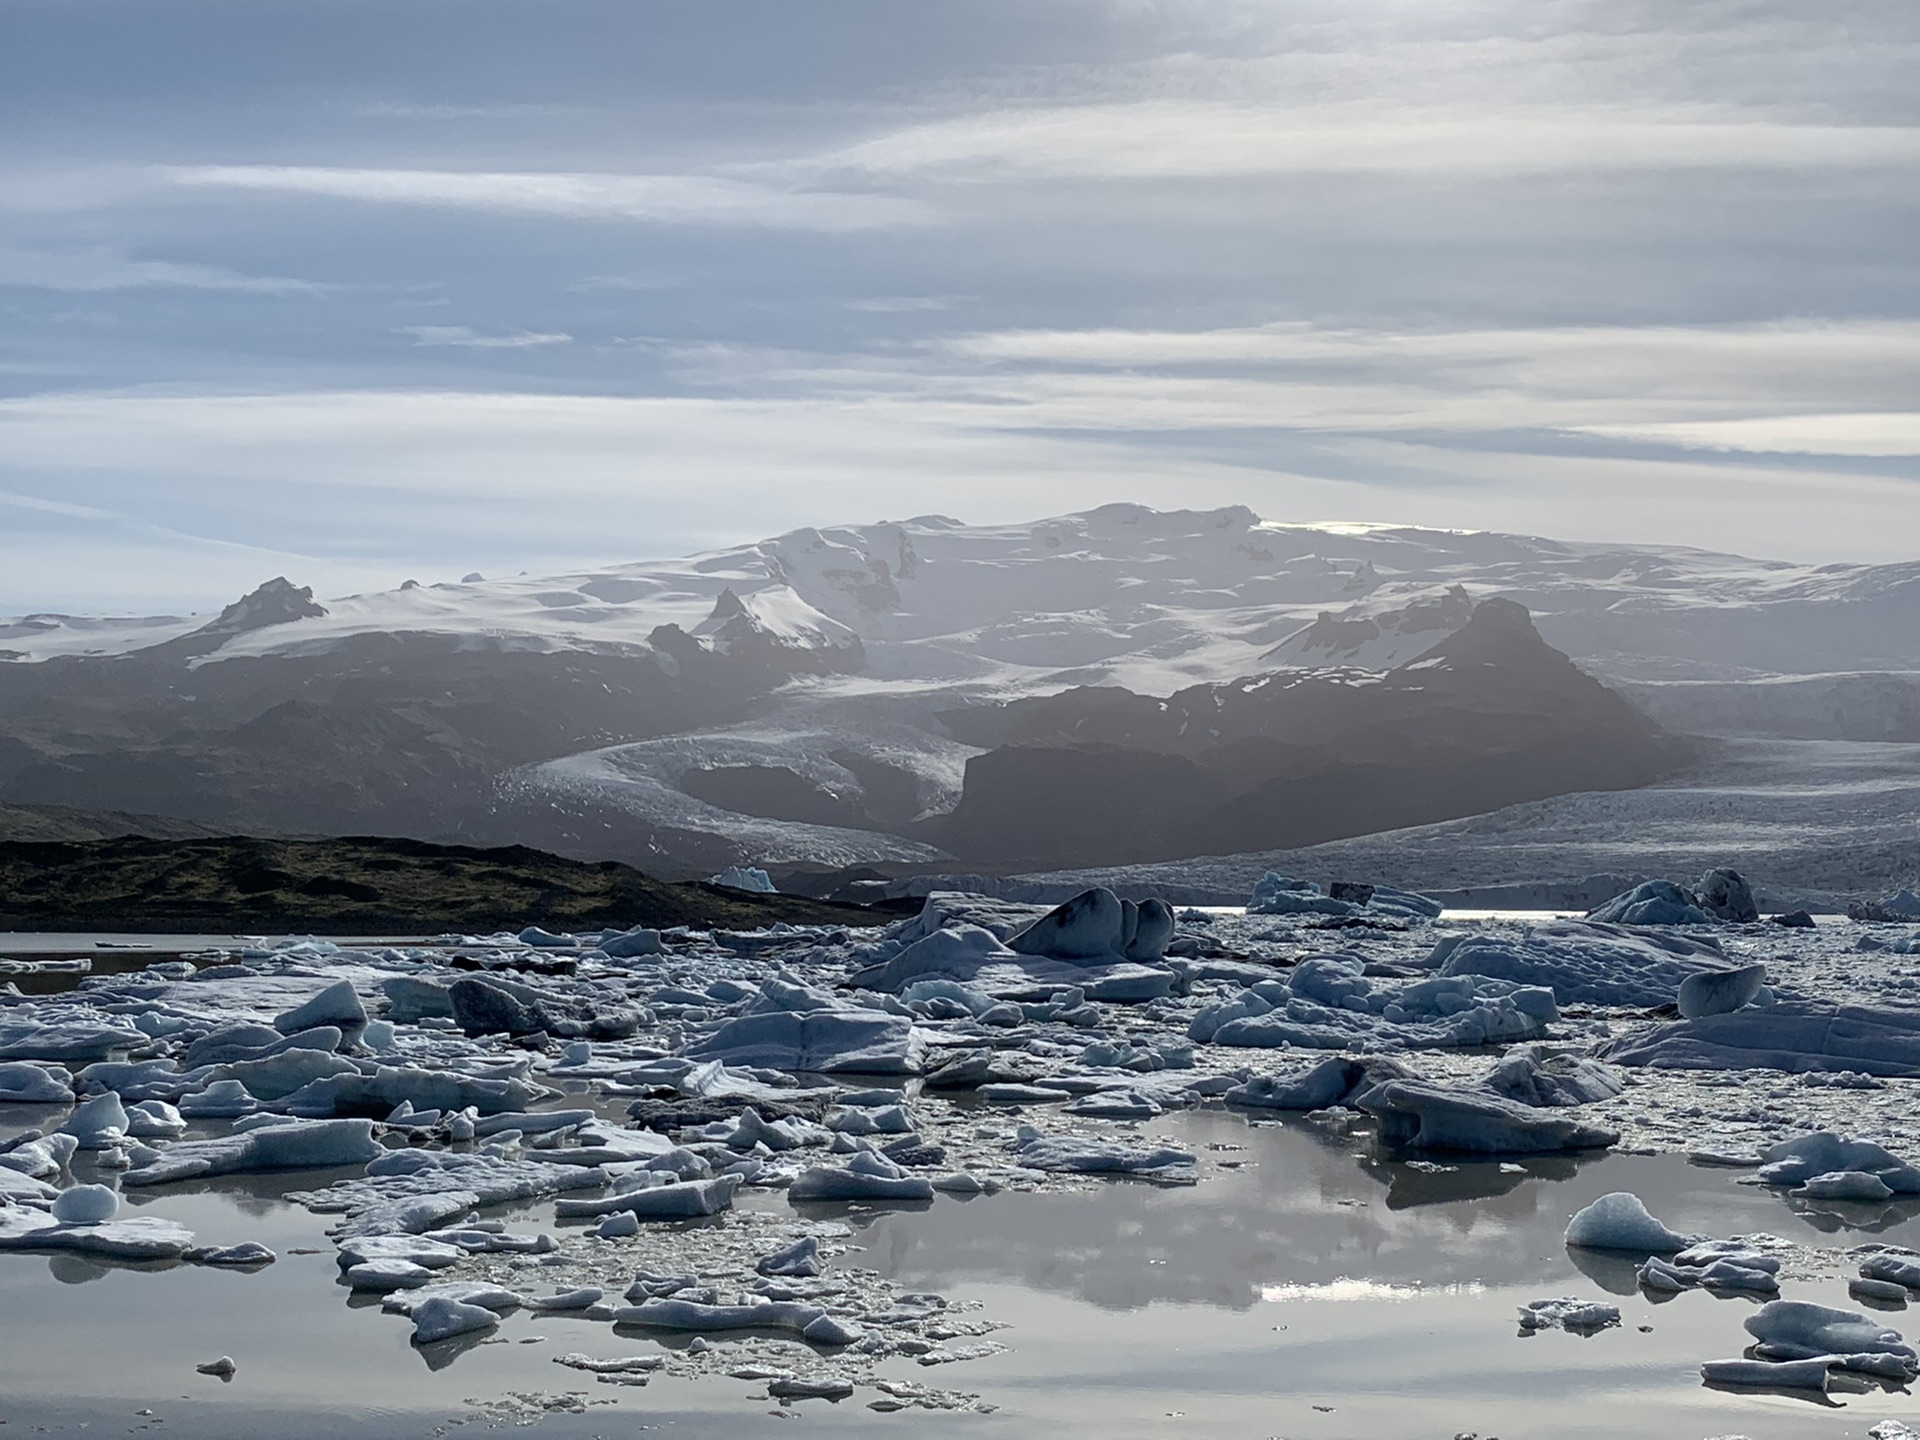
(362, 291)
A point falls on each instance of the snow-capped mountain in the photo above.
(792, 713)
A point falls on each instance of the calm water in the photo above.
(1311, 1294)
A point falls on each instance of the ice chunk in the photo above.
(1901, 1270)
(1417, 1115)
(398, 1249)
(283, 1145)
(155, 1120)
(1275, 894)
(675, 1200)
(222, 1099)
(24, 1084)
(828, 1041)
(485, 1008)
(1801, 1330)
(1090, 926)
(1620, 1222)
(1845, 1185)
(1657, 902)
(801, 1258)
(143, 1237)
(442, 1319)
(40, 1158)
(867, 1176)
(1719, 992)
(1795, 1036)
(98, 1123)
(745, 877)
(386, 1276)
(338, 1005)
(246, 1253)
(1080, 1155)
(632, 944)
(1725, 895)
(1796, 1161)
(1797, 1375)
(66, 1040)
(1580, 1317)
(86, 1205)
(1553, 1080)
(1581, 962)
(387, 1085)
(1330, 1082)
(810, 1322)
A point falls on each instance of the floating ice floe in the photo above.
(1583, 962)
(25, 1084)
(809, 1322)
(1722, 897)
(442, 1319)
(274, 1143)
(1620, 1222)
(1578, 1317)
(1084, 1155)
(1276, 894)
(144, 1237)
(66, 1039)
(1793, 1035)
(1418, 1115)
(867, 1176)
(1794, 1164)
(1330, 1003)
(654, 1196)
(1718, 1265)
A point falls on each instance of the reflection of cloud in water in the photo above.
(1347, 1290)
(1305, 1210)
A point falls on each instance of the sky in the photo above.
(357, 291)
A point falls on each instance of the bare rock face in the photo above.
(274, 603)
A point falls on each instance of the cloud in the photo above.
(462, 336)
(661, 199)
(1158, 140)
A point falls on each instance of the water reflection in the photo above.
(1304, 1208)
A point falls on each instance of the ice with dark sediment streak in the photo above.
(1419, 1115)
(810, 1322)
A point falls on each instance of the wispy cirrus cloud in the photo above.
(661, 199)
(463, 336)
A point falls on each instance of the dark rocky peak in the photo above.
(274, 603)
(1499, 634)
(728, 607)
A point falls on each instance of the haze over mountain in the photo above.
(825, 697)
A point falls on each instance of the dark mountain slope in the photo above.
(1491, 716)
(401, 732)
